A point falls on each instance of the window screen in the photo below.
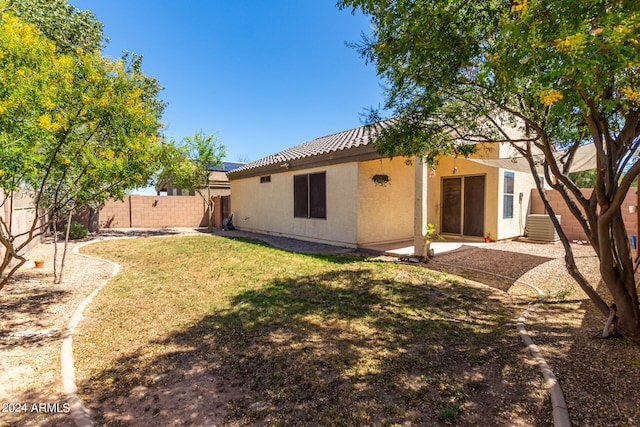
(310, 195)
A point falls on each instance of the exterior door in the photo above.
(463, 205)
(451, 205)
(474, 206)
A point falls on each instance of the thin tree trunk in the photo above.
(55, 250)
(66, 244)
(569, 259)
(210, 207)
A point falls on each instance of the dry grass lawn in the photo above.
(208, 330)
(233, 332)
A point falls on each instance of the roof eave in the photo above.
(355, 154)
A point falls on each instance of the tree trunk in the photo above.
(617, 271)
(210, 209)
(569, 259)
(66, 244)
(627, 321)
(55, 250)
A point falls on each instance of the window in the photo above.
(310, 195)
(265, 179)
(507, 206)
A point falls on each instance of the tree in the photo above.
(62, 23)
(560, 73)
(584, 179)
(187, 166)
(75, 128)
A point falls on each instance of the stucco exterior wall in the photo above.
(488, 151)
(385, 214)
(495, 226)
(508, 228)
(268, 207)
(464, 168)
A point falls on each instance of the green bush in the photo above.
(77, 231)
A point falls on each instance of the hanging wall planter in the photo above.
(380, 179)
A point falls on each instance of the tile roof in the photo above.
(327, 144)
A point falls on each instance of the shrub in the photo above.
(77, 231)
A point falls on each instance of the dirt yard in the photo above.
(599, 378)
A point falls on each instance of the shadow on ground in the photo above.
(341, 348)
(504, 267)
(141, 232)
(34, 301)
(600, 378)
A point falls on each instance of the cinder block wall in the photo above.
(22, 214)
(154, 212)
(569, 224)
(116, 214)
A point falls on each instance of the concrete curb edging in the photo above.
(78, 412)
(558, 404)
(560, 411)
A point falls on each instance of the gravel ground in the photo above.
(33, 318)
(600, 378)
(34, 314)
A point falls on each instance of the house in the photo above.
(218, 181)
(324, 191)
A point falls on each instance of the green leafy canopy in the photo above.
(76, 128)
(542, 76)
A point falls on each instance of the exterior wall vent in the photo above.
(540, 228)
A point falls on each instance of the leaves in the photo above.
(187, 165)
(75, 127)
(541, 76)
(68, 27)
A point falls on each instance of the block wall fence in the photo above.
(569, 224)
(154, 212)
(18, 211)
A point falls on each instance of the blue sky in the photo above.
(262, 76)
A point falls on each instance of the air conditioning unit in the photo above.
(541, 229)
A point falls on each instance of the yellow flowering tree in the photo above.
(563, 73)
(75, 128)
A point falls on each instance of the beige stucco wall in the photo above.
(268, 207)
(359, 213)
(494, 225)
(488, 151)
(513, 227)
(385, 214)
(465, 168)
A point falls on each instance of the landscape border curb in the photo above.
(82, 418)
(560, 411)
(78, 412)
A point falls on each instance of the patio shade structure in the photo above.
(584, 159)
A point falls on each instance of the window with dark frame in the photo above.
(310, 195)
(507, 206)
(265, 179)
